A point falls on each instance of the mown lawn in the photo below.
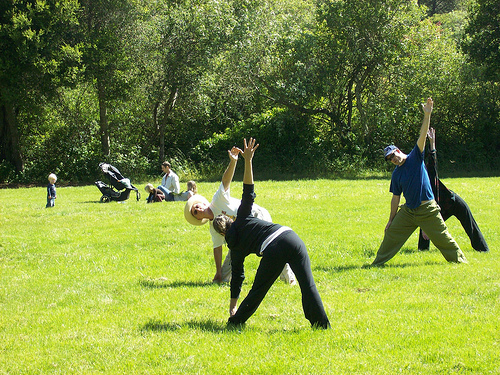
(125, 288)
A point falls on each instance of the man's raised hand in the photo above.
(427, 107)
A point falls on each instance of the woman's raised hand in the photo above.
(249, 148)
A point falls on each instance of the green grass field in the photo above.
(125, 288)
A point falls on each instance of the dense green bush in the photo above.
(290, 146)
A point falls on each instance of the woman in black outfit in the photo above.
(276, 244)
(451, 204)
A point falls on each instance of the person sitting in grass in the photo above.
(155, 195)
(169, 183)
(277, 245)
(185, 195)
(420, 210)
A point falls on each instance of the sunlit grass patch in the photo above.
(126, 287)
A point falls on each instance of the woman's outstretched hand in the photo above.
(249, 148)
(247, 153)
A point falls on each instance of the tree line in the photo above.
(323, 85)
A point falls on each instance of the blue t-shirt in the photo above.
(411, 179)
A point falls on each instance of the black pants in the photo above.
(462, 212)
(286, 248)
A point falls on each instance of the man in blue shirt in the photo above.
(410, 178)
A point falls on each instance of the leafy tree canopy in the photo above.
(483, 37)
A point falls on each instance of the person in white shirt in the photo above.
(169, 183)
(199, 211)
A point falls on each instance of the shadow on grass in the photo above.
(205, 325)
(209, 326)
(110, 202)
(163, 283)
(337, 268)
(405, 265)
(368, 266)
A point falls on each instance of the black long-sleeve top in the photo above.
(245, 236)
(444, 196)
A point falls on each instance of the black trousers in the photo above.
(462, 212)
(286, 248)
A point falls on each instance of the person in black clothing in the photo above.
(451, 204)
(155, 195)
(276, 244)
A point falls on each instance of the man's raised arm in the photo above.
(427, 108)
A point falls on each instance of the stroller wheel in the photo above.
(105, 199)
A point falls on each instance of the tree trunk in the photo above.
(9, 146)
(162, 139)
(103, 119)
(358, 90)
(169, 106)
(349, 103)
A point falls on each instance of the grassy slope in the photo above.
(125, 288)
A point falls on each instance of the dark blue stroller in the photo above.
(121, 184)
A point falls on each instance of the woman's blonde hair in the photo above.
(222, 223)
(191, 186)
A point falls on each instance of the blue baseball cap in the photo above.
(389, 150)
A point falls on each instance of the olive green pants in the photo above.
(428, 218)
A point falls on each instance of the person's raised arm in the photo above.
(228, 175)
(431, 163)
(427, 108)
(248, 153)
(431, 134)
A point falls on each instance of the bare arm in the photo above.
(228, 175)
(431, 134)
(232, 306)
(427, 108)
(218, 264)
(394, 209)
(248, 153)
